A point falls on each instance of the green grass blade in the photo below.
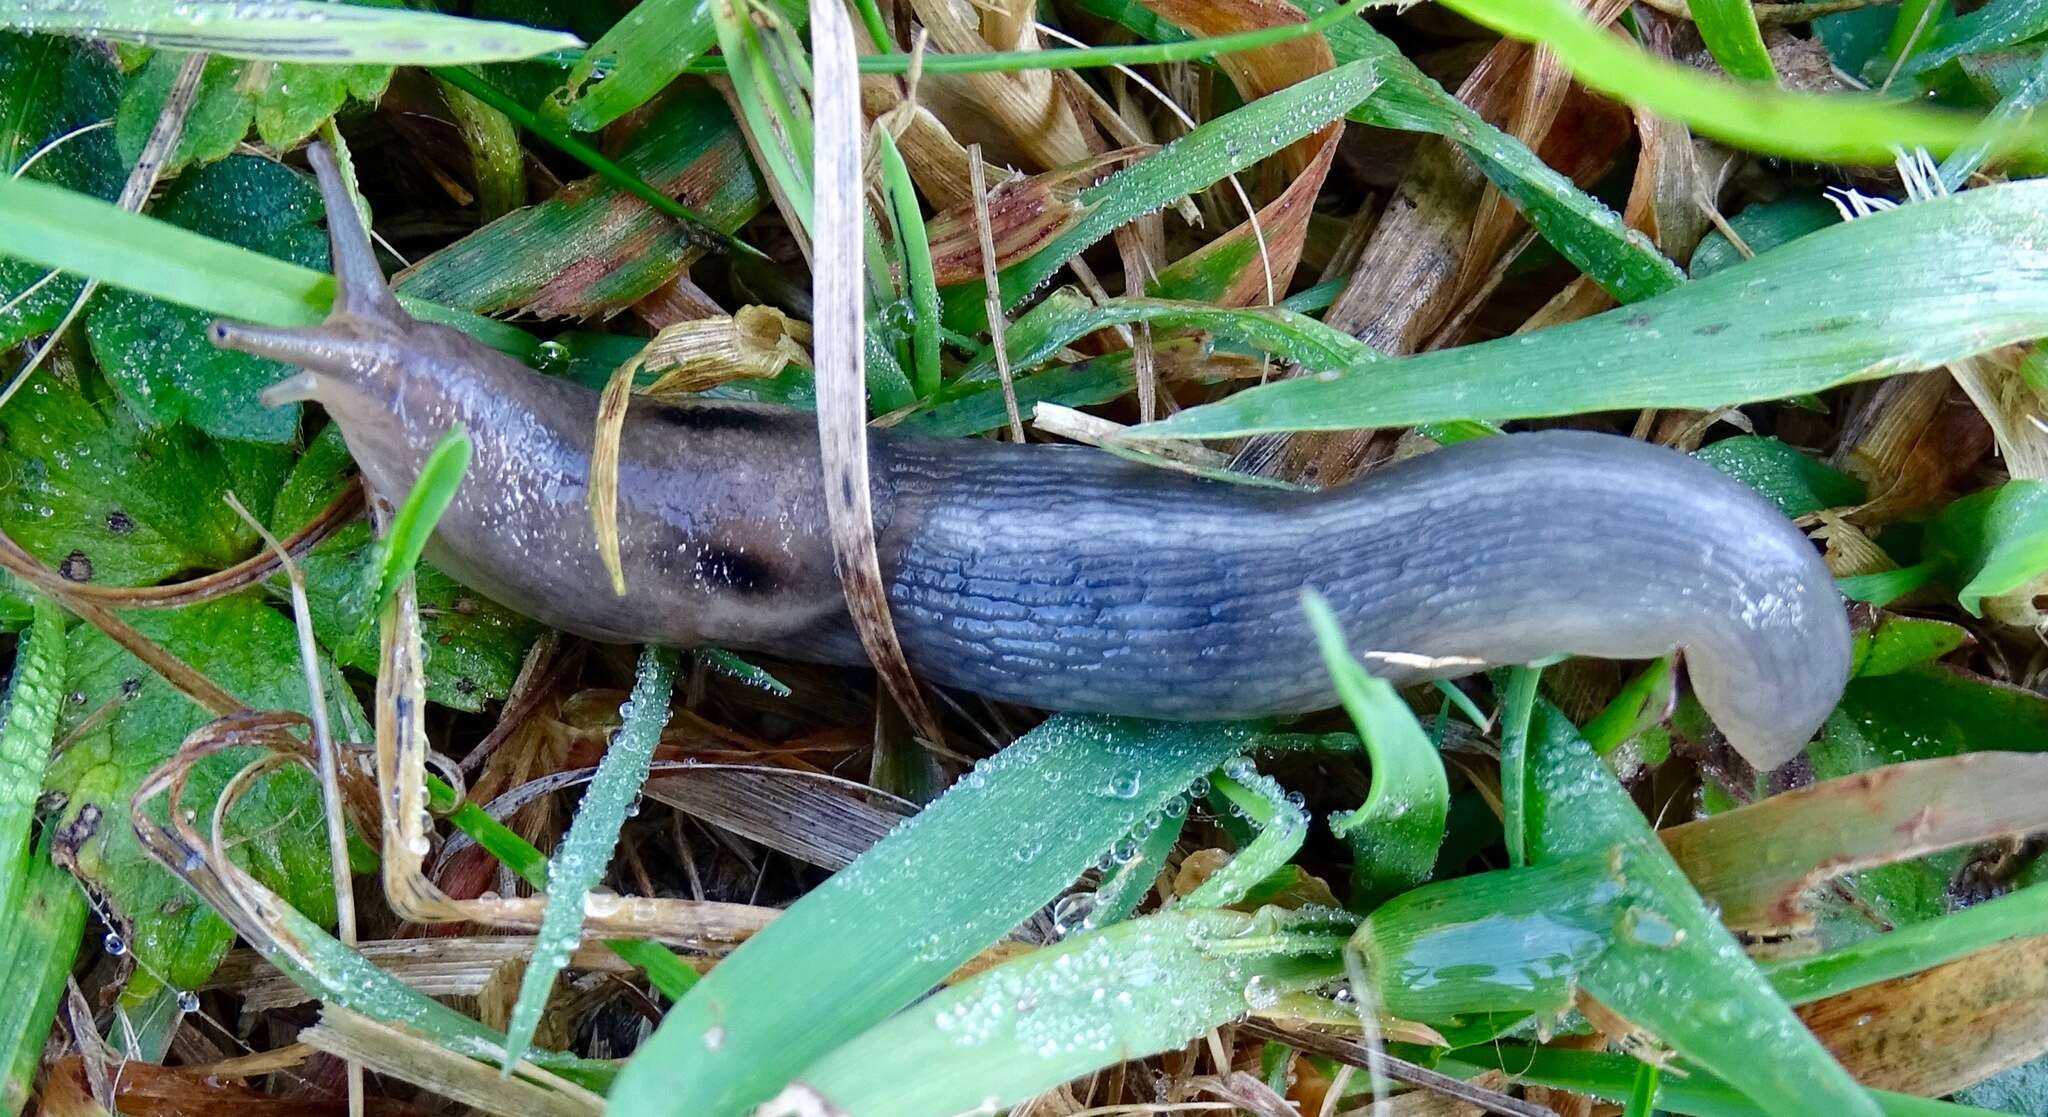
(1913, 948)
(1125, 888)
(1219, 147)
(1063, 317)
(1730, 31)
(1668, 965)
(878, 935)
(780, 129)
(1836, 127)
(1124, 992)
(1908, 289)
(1396, 833)
(1517, 707)
(917, 265)
(291, 30)
(82, 235)
(580, 863)
(1593, 237)
(414, 521)
(699, 227)
(1613, 1077)
(638, 58)
(1281, 824)
(1959, 166)
(2002, 23)
(27, 727)
(1993, 541)
(39, 941)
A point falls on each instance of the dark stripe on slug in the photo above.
(712, 418)
(735, 570)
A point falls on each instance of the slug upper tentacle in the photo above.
(1067, 578)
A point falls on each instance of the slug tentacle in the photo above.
(1067, 578)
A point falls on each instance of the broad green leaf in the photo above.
(1994, 542)
(102, 498)
(298, 98)
(49, 89)
(1927, 711)
(586, 851)
(1907, 289)
(251, 651)
(1006, 839)
(1787, 477)
(1100, 998)
(220, 114)
(1216, 148)
(290, 30)
(1396, 833)
(1839, 127)
(1897, 642)
(157, 354)
(472, 646)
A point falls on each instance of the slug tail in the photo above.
(362, 291)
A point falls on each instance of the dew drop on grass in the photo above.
(114, 944)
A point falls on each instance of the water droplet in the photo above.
(188, 1001)
(114, 944)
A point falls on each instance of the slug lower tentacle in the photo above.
(1066, 578)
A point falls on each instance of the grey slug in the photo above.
(1067, 578)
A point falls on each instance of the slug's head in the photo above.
(353, 362)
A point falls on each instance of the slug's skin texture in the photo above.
(1064, 577)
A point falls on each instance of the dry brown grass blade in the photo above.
(1353, 1052)
(1400, 291)
(1940, 1030)
(836, 302)
(937, 161)
(1024, 215)
(755, 342)
(604, 468)
(406, 838)
(147, 1090)
(526, 1091)
(1894, 813)
(1018, 114)
(434, 967)
(992, 297)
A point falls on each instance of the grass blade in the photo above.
(291, 30)
(1730, 31)
(1903, 290)
(82, 235)
(1203, 157)
(27, 727)
(1002, 842)
(1914, 948)
(414, 522)
(917, 266)
(638, 58)
(580, 863)
(1840, 127)
(1281, 823)
(1395, 834)
(1127, 991)
(1064, 317)
(39, 941)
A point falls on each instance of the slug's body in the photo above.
(1066, 578)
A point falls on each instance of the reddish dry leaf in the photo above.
(1024, 215)
(147, 1090)
(1943, 1029)
(1758, 861)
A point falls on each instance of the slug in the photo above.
(1066, 578)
